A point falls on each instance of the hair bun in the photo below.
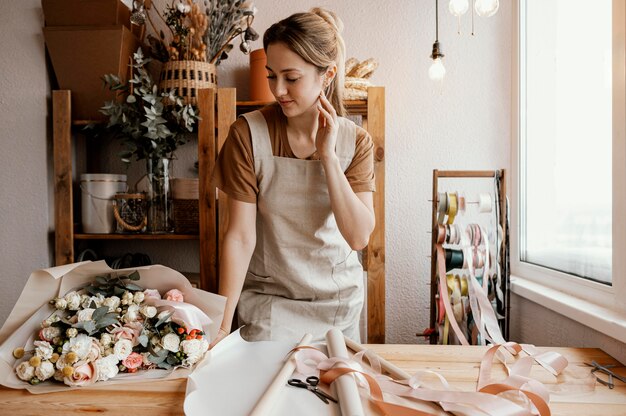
(330, 17)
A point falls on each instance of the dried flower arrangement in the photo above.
(198, 32)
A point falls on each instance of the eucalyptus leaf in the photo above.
(134, 275)
(99, 312)
(143, 340)
(132, 286)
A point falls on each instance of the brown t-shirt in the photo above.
(234, 171)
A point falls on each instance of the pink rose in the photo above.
(134, 360)
(130, 331)
(174, 295)
(94, 351)
(85, 373)
(151, 293)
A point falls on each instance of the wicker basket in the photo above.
(185, 210)
(186, 216)
(187, 77)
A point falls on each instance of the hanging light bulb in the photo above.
(436, 71)
(486, 8)
(458, 7)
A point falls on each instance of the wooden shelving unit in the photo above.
(218, 110)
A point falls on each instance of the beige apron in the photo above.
(303, 276)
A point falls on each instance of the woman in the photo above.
(300, 181)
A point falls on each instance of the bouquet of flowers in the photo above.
(111, 327)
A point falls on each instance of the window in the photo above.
(569, 161)
(565, 145)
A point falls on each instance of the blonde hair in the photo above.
(316, 37)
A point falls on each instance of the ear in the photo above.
(329, 76)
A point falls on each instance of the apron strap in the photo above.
(261, 142)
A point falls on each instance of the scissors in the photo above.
(605, 369)
(311, 385)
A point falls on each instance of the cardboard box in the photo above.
(85, 13)
(81, 56)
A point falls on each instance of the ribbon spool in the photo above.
(454, 259)
(484, 203)
(452, 206)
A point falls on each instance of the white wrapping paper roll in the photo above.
(267, 401)
(345, 386)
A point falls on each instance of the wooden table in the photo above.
(459, 365)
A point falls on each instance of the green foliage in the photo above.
(152, 124)
(113, 285)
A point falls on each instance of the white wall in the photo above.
(462, 124)
(25, 158)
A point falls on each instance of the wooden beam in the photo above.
(62, 150)
(226, 115)
(376, 247)
(207, 208)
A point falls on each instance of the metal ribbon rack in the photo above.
(467, 253)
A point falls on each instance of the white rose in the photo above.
(113, 302)
(71, 332)
(123, 348)
(85, 314)
(81, 345)
(138, 297)
(60, 304)
(106, 339)
(132, 314)
(44, 371)
(148, 311)
(194, 349)
(107, 367)
(73, 301)
(43, 349)
(50, 320)
(25, 371)
(51, 332)
(98, 299)
(171, 342)
(127, 298)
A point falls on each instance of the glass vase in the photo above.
(159, 196)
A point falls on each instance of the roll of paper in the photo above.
(267, 401)
(345, 387)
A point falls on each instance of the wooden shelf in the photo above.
(136, 236)
(354, 107)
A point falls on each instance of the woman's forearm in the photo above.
(234, 262)
(355, 219)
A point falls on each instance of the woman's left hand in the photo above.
(327, 129)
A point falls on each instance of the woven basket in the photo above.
(187, 77)
(186, 216)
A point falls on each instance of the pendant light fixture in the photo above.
(436, 71)
(458, 8)
(486, 8)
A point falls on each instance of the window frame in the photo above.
(586, 301)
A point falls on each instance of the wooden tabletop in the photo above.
(459, 365)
